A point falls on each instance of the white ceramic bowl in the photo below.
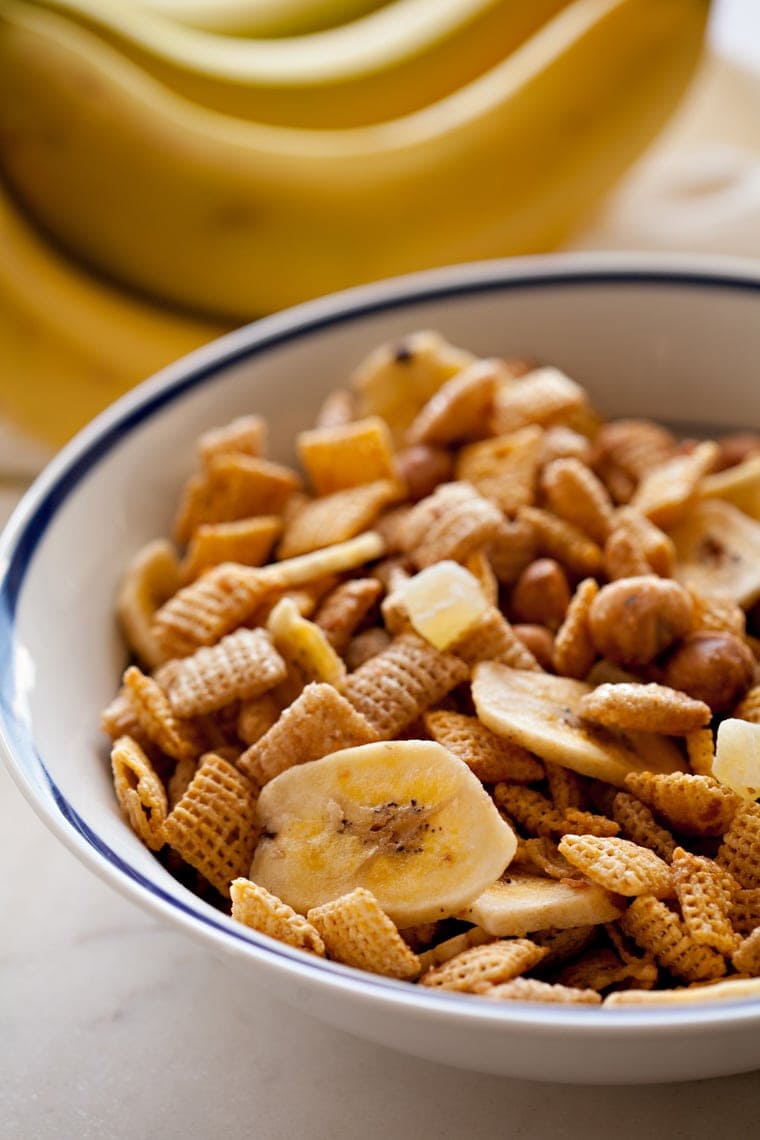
(675, 339)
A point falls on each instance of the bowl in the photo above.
(677, 339)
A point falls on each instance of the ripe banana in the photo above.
(239, 218)
(718, 551)
(69, 344)
(392, 62)
(261, 17)
(405, 819)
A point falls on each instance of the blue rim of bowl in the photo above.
(34, 514)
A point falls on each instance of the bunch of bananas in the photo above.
(232, 157)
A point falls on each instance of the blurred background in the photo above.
(170, 169)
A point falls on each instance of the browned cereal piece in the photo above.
(544, 396)
(746, 956)
(561, 945)
(492, 638)
(694, 805)
(419, 936)
(632, 446)
(732, 989)
(347, 455)
(357, 933)
(700, 748)
(175, 736)
(574, 492)
(449, 949)
(531, 989)
(588, 823)
(243, 665)
(390, 526)
(735, 448)
(529, 809)
(538, 640)
(118, 718)
(139, 791)
(541, 594)
(634, 620)
(480, 567)
(635, 546)
(395, 686)
(365, 646)
(618, 865)
(245, 435)
(319, 721)
(658, 930)
(745, 910)
(233, 486)
(638, 823)
(259, 909)
(449, 524)
(559, 539)
(503, 469)
(512, 548)
(705, 892)
(461, 407)
(600, 969)
(739, 852)
(215, 604)
(246, 541)
(485, 965)
(213, 827)
(422, 468)
(711, 666)
(566, 788)
(256, 717)
(749, 707)
(345, 608)
(490, 757)
(574, 652)
(561, 442)
(644, 708)
(336, 410)
(337, 517)
(665, 491)
(543, 854)
(180, 780)
(624, 556)
(151, 578)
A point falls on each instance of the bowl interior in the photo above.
(675, 344)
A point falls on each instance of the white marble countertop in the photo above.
(114, 1026)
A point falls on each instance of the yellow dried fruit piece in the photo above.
(480, 967)
(247, 541)
(694, 805)
(357, 933)
(718, 551)
(139, 791)
(151, 578)
(520, 903)
(739, 485)
(705, 893)
(442, 602)
(545, 719)
(303, 644)
(260, 910)
(309, 568)
(461, 407)
(503, 469)
(319, 721)
(644, 708)
(490, 757)
(618, 865)
(396, 818)
(732, 989)
(337, 517)
(737, 757)
(659, 931)
(213, 827)
(347, 455)
(665, 492)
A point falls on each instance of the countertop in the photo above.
(114, 1026)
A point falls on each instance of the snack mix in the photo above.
(473, 701)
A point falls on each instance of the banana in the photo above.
(739, 485)
(238, 218)
(404, 819)
(737, 757)
(69, 344)
(540, 712)
(261, 17)
(718, 551)
(520, 903)
(395, 60)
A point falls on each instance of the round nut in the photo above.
(541, 594)
(538, 639)
(422, 468)
(711, 666)
(634, 620)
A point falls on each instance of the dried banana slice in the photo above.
(520, 903)
(397, 818)
(718, 551)
(540, 712)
